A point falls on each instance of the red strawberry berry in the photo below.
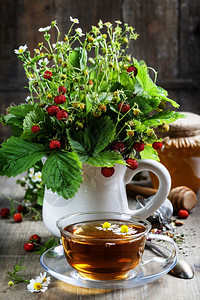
(124, 107)
(62, 90)
(133, 164)
(35, 239)
(54, 144)
(29, 247)
(47, 75)
(132, 69)
(62, 114)
(20, 208)
(17, 217)
(4, 212)
(107, 172)
(183, 214)
(118, 147)
(35, 128)
(138, 147)
(59, 99)
(157, 145)
(52, 110)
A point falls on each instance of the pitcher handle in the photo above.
(163, 190)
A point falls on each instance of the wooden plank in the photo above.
(158, 41)
(189, 48)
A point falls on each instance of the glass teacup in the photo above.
(103, 245)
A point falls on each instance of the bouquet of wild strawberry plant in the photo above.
(90, 103)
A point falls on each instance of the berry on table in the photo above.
(183, 214)
(138, 146)
(35, 239)
(54, 144)
(29, 247)
(157, 145)
(62, 114)
(4, 212)
(20, 208)
(52, 110)
(132, 163)
(35, 128)
(124, 107)
(59, 99)
(62, 90)
(107, 172)
(17, 217)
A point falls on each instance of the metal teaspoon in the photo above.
(181, 270)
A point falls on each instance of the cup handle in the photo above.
(163, 258)
(163, 190)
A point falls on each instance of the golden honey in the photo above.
(181, 152)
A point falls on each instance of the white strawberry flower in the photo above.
(44, 29)
(43, 62)
(37, 177)
(74, 20)
(31, 172)
(21, 49)
(79, 31)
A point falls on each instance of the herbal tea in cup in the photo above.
(103, 246)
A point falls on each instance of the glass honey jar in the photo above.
(180, 153)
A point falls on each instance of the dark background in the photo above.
(169, 40)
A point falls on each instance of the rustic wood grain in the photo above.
(13, 236)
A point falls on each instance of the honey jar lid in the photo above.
(184, 132)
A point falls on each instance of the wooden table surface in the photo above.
(14, 235)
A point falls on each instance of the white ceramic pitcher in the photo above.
(99, 193)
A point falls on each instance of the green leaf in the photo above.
(146, 104)
(105, 159)
(33, 117)
(16, 116)
(74, 59)
(88, 104)
(18, 155)
(166, 116)
(94, 139)
(62, 173)
(149, 153)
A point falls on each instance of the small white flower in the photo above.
(30, 186)
(26, 203)
(37, 177)
(57, 44)
(118, 22)
(74, 20)
(36, 286)
(44, 29)
(21, 49)
(42, 278)
(43, 62)
(79, 31)
(100, 24)
(108, 24)
(28, 98)
(31, 172)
